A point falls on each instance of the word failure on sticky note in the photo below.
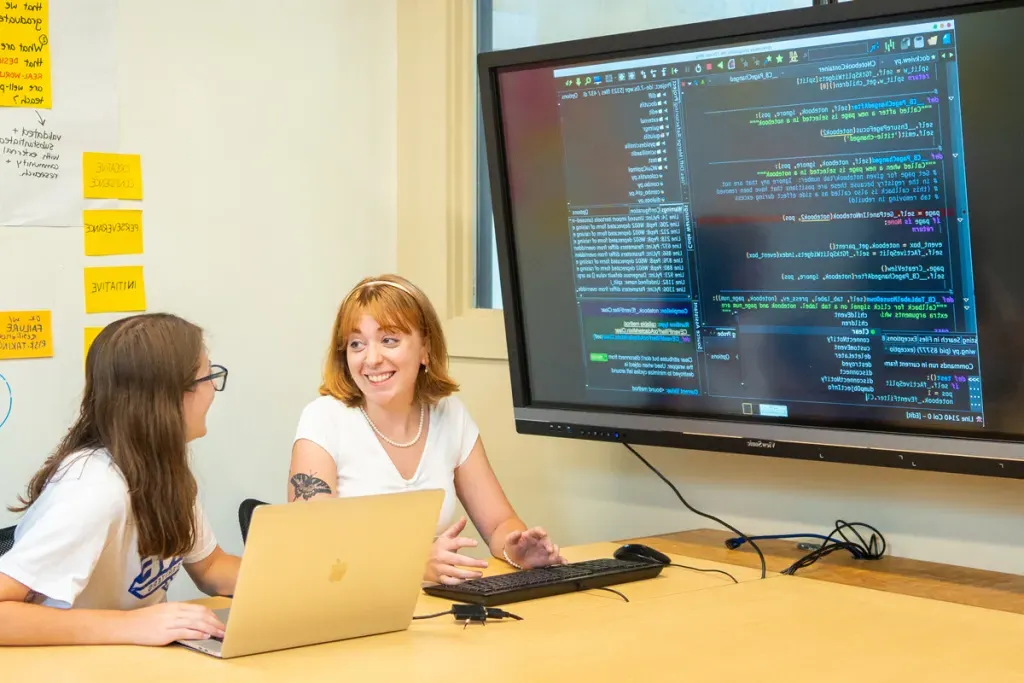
(111, 232)
(114, 289)
(111, 176)
(25, 334)
(25, 54)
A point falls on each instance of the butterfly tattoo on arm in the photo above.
(309, 485)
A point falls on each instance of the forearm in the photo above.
(221, 576)
(27, 624)
(496, 542)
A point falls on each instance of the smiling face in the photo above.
(387, 347)
(385, 363)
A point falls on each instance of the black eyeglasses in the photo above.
(218, 375)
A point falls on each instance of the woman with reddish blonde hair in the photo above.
(387, 421)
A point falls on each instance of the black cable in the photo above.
(764, 566)
(873, 549)
(698, 569)
(474, 613)
(610, 590)
(432, 616)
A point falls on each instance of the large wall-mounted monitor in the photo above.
(798, 234)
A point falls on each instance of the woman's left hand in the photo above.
(532, 548)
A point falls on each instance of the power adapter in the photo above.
(480, 614)
(469, 614)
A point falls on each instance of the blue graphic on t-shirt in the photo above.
(156, 574)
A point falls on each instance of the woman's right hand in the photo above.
(171, 621)
(445, 560)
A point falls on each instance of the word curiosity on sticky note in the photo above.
(111, 176)
(114, 289)
(114, 231)
(25, 334)
(25, 54)
(90, 336)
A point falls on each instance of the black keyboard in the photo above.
(543, 582)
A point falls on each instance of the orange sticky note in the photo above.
(25, 334)
(111, 176)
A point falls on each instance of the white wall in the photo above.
(268, 139)
(585, 492)
(529, 22)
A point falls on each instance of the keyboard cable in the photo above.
(707, 571)
(764, 567)
(610, 590)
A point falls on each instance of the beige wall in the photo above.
(585, 491)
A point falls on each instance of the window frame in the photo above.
(437, 150)
(443, 191)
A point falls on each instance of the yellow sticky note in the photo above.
(111, 176)
(25, 55)
(90, 336)
(25, 334)
(114, 289)
(115, 231)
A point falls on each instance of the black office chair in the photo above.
(245, 515)
(6, 539)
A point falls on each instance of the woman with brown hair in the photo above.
(112, 515)
(387, 421)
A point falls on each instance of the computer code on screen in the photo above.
(777, 229)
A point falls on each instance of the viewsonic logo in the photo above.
(760, 444)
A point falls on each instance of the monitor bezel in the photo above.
(955, 454)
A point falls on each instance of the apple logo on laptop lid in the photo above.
(338, 571)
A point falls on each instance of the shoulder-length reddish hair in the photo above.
(396, 304)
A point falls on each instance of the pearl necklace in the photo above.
(423, 412)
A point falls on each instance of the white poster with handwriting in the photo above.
(41, 148)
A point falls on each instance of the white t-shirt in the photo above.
(78, 547)
(364, 467)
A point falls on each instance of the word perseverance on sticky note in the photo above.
(114, 289)
(25, 334)
(111, 176)
(25, 54)
(114, 231)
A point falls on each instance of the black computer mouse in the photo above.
(634, 552)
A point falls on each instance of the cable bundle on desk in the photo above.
(872, 549)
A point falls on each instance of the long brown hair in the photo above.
(396, 304)
(136, 375)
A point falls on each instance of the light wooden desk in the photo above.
(933, 580)
(680, 626)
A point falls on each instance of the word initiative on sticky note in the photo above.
(114, 289)
(25, 74)
(111, 176)
(113, 231)
(25, 334)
